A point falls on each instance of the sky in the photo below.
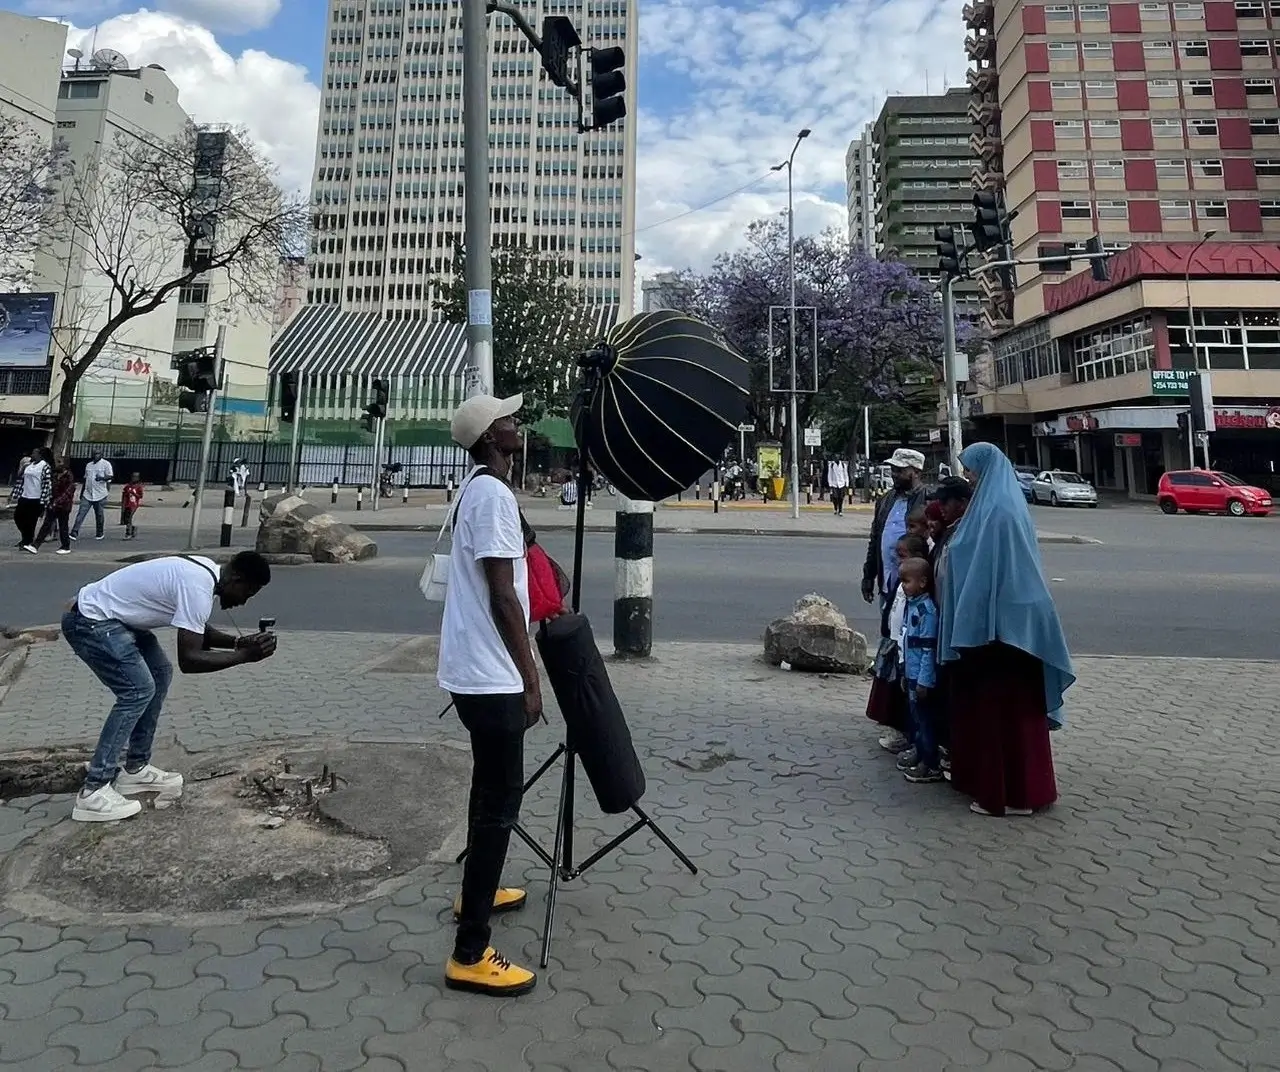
(723, 88)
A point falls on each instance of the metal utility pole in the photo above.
(291, 478)
(950, 368)
(475, 124)
(793, 419)
(866, 448)
(1195, 350)
(379, 430)
(193, 534)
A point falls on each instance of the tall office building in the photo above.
(859, 182)
(923, 165)
(387, 191)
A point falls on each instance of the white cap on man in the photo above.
(906, 458)
(474, 417)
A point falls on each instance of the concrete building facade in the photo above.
(860, 191)
(388, 184)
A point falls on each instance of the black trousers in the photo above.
(496, 725)
(837, 499)
(26, 515)
(60, 518)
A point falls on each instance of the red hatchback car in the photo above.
(1203, 491)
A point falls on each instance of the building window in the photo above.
(1255, 48)
(1094, 13)
(1096, 50)
(1260, 127)
(1076, 210)
(1175, 210)
(1104, 128)
(1211, 210)
(1113, 210)
(1237, 339)
(1064, 89)
(1114, 350)
(1199, 87)
(1154, 11)
(1207, 169)
(1158, 50)
(1026, 353)
(1166, 128)
(1162, 87)
(185, 330)
(1259, 87)
(1171, 169)
(66, 124)
(1269, 168)
(1248, 9)
(1194, 50)
(1100, 90)
(1271, 210)
(194, 294)
(1071, 170)
(1068, 128)
(1189, 12)
(1062, 50)
(79, 90)
(1059, 13)
(1107, 169)
(1202, 128)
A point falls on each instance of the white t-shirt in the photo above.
(898, 622)
(33, 479)
(150, 595)
(473, 659)
(97, 475)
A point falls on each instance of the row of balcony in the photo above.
(979, 14)
(980, 46)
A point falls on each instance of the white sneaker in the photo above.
(150, 779)
(103, 805)
(63, 551)
(31, 549)
(895, 742)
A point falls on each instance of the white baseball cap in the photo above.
(905, 458)
(472, 419)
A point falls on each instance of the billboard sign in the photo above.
(26, 330)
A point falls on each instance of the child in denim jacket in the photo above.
(920, 667)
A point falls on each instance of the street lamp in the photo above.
(793, 418)
(1195, 353)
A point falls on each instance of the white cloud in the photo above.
(272, 98)
(228, 16)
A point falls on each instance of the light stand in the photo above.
(560, 859)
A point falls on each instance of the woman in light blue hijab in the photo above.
(1002, 643)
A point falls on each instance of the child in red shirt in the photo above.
(130, 500)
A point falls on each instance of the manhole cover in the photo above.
(284, 827)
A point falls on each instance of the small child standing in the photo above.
(887, 703)
(130, 501)
(920, 668)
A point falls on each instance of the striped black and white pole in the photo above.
(228, 513)
(633, 578)
(360, 498)
(333, 494)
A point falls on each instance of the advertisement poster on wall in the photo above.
(26, 330)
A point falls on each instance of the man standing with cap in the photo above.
(880, 571)
(487, 666)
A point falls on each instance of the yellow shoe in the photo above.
(505, 900)
(492, 974)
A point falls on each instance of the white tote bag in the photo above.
(434, 582)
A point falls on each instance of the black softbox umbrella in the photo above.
(669, 398)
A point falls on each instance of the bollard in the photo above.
(697, 490)
(262, 486)
(228, 513)
(633, 578)
(333, 494)
(244, 517)
(359, 498)
(448, 489)
(404, 495)
(715, 496)
(808, 495)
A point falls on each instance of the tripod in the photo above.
(560, 860)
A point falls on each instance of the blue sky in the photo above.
(724, 85)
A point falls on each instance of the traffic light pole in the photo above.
(291, 477)
(379, 430)
(193, 534)
(475, 125)
(951, 364)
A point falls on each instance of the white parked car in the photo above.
(1058, 488)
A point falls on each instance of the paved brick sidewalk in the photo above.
(841, 919)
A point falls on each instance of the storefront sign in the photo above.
(1128, 439)
(1081, 422)
(1170, 382)
(1230, 418)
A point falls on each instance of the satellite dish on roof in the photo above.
(108, 59)
(154, 67)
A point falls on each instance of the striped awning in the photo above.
(324, 340)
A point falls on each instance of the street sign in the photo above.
(1170, 381)
(745, 428)
(813, 437)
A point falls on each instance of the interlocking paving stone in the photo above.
(841, 919)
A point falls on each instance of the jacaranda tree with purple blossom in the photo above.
(879, 330)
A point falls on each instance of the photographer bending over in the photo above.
(109, 626)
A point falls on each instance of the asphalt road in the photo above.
(1155, 586)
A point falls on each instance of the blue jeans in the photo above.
(99, 516)
(131, 663)
(923, 726)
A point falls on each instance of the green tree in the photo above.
(541, 323)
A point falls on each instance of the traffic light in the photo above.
(1099, 266)
(608, 84)
(288, 396)
(377, 409)
(559, 38)
(987, 228)
(948, 252)
(1202, 415)
(199, 373)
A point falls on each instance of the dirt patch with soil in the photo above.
(287, 826)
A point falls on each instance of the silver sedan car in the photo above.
(1058, 488)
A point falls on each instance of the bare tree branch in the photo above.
(30, 168)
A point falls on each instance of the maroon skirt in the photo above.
(887, 705)
(1000, 751)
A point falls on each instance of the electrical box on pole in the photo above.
(608, 84)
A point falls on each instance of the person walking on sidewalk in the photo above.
(111, 628)
(62, 498)
(33, 490)
(838, 482)
(880, 570)
(486, 665)
(130, 503)
(98, 475)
